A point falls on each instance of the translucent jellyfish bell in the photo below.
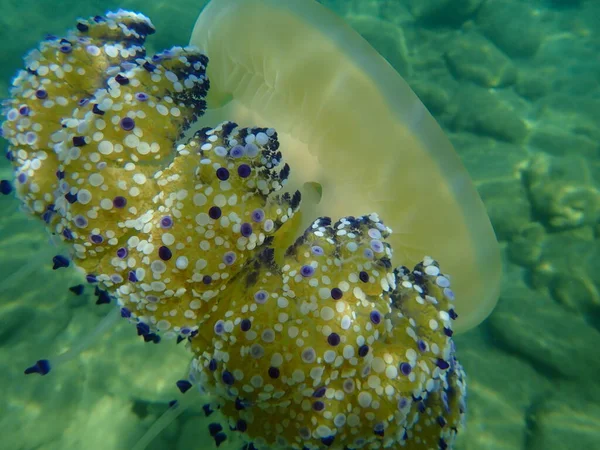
(356, 136)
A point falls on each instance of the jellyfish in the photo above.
(358, 136)
(224, 195)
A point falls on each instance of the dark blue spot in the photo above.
(60, 261)
(214, 212)
(442, 364)
(246, 229)
(227, 378)
(405, 368)
(122, 79)
(328, 440)
(41, 366)
(127, 123)
(320, 392)
(336, 293)
(214, 428)
(142, 328)
(164, 253)
(241, 425)
(333, 339)
(183, 386)
(207, 409)
(222, 173)
(5, 187)
(245, 324)
(244, 170)
(220, 438)
(77, 290)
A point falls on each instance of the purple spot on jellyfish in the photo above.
(164, 253)
(237, 151)
(258, 215)
(166, 222)
(307, 271)
(317, 250)
(376, 246)
(333, 339)
(219, 327)
(127, 123)
(244, 170)
(246, 229)
(375, 317)
(119, 202)
(80, 221)
(405, 368)
(229, 258)
(261, 297)
(214, 212)
(222, 174)
(96, 238)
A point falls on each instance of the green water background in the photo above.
(515, 84)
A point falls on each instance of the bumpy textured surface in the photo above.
(332, 348)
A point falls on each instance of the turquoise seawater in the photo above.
(515, 84)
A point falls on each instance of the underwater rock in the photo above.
(558, 140)
(446, 12)
(497, 166)
(532, 85)
(508, 206)
(474, 58)
(481, 111)
(567, 267)
(512, 26)
(386, 38)
(530, 323)
(526, 246)
(502, 388)
(433, 96)
(562, 191)
(568, 418)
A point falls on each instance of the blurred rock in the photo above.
(513, 26)
(446, 12)
(559, 141)
(562, 191)
(486, 113)
(530, 323)
(474, 58)
(568, 268)
(568, 419)
(495, 167)
(526, 246)
(532, 86)
(434, 97)
(501, 389)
